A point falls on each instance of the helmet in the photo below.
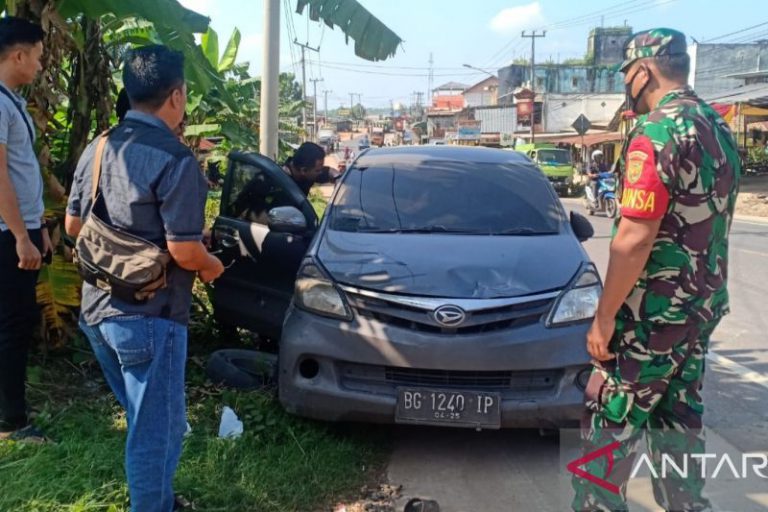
(596, 153)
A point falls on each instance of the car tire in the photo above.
(242, 369)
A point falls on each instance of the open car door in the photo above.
(263, 230)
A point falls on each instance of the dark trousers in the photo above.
(18, 318)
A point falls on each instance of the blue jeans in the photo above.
(143, 361)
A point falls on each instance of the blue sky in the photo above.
(483, 33)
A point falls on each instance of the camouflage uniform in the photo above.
(680, 165)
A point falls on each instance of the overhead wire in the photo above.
(521, 42)
(740, 31)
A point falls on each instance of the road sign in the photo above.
(581, 124)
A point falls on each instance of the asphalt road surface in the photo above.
(518, 470)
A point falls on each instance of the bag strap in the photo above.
(23, 114)
(97, 158)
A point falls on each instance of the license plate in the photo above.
(448, 408)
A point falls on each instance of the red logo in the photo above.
(606, 451)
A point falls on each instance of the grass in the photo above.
(280, 463)
(318, 202)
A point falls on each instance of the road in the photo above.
(517, 470)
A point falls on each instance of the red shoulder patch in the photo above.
(644, 196)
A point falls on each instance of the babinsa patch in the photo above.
(635, 162)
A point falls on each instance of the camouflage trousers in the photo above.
(650, 390)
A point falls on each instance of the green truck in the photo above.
(555, 163)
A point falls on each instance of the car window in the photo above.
(253, 193)
(557, 156)
(447, 197)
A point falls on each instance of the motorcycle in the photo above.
(606, 196)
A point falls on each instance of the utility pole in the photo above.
(304, 47)
(431, 79)
(314, 107)
(325, 93)
(270, 83)
(533, 78)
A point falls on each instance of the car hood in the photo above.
(451, 266)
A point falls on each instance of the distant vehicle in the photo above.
(327, 137)
(554, 162)
(437, 142)
(377, 137)
(364, 143)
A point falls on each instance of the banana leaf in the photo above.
(58, 294)
(373, 39)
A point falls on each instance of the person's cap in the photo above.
(656, 42)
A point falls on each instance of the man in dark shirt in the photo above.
(307, 166)
(152, 187)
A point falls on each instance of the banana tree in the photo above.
(73, 97)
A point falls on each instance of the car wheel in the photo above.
(610, 208)
(242, 369)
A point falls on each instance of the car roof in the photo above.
(415, 155)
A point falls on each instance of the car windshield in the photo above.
(446, 197)
(553, 156)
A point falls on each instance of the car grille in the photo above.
(511, 384)
(420, 318)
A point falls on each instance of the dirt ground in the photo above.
(753, 196)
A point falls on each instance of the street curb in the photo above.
(751, 218)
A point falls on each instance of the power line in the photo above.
(386, 66)
(557, 24)
(736, 32)
(386, 73)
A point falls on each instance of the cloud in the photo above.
(514, 19)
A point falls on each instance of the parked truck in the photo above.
(555, 163)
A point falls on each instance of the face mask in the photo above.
(632, 101)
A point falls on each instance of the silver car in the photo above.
(444, 286)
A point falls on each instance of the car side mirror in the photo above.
(287, 219)
(581, 226)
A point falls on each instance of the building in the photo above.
(560, 79)
(605, 46)
(722, 67)
(483, 93)
(595, 74)
(449, 96)
(561, 110)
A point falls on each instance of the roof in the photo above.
(443, 112)
(754, 94)
(749, 74)
(414, 155)
(488, 82)
(451, 86)
(589, 139)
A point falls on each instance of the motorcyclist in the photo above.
(596, 166)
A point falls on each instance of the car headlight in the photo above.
(579, 301)
(316, 292)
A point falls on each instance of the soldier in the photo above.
(665, 289)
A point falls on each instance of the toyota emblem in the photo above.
(450, 316)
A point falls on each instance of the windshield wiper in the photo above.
(424, 229)
(524, 232)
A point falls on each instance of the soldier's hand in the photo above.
(29, 255)
(599, 337)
